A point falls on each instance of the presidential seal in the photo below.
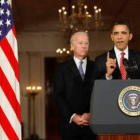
(129, 100)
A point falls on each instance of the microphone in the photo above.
(125, 62)
(130, 67)
(127, 67)
(134, 64)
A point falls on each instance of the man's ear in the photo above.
(71, 47)
(111, 37)
(130, 36)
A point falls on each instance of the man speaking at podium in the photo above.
(120, 62)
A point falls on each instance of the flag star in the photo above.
(2, 2)
(8, 12)
(1, 22)
(1, 11)
(8, 2)
(8, 22)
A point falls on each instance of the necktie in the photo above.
(122, 67)
(81, 70)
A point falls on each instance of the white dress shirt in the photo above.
(77, 61)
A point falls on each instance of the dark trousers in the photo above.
(94, 137)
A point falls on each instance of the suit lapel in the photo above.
(116, 73)
(131, 55)
(88, 69)
(113, 56)
(74, 68)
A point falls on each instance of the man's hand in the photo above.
(85, 117)
(78, 120)
(110, 65)
(81, 120)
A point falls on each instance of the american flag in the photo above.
(10, 119)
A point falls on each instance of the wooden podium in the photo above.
(107, 120)
(119, 137)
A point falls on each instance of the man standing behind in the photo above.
(73, 87)
(110, 65)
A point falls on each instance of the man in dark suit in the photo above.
(109, 65)
(73, 87)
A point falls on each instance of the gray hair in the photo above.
(77, 33)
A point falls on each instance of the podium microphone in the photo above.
(134, 64)
(125, 62)
(127, 67)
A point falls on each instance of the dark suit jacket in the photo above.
(72, 95)
(100, 65)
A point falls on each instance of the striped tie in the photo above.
(122, 67)
(81, 70)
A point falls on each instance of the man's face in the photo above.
(80, 46)
(121, 36)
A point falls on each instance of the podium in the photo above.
(106, 117)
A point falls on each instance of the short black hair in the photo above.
(122, 23)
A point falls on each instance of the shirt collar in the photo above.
(118, 52)
(78, 60)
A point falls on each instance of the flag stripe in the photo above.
(7, 126)
(10, 94)
(9, 73)
(13, 42)
(14, 31)
(2, 134)
(12, 120)
(10, 56)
